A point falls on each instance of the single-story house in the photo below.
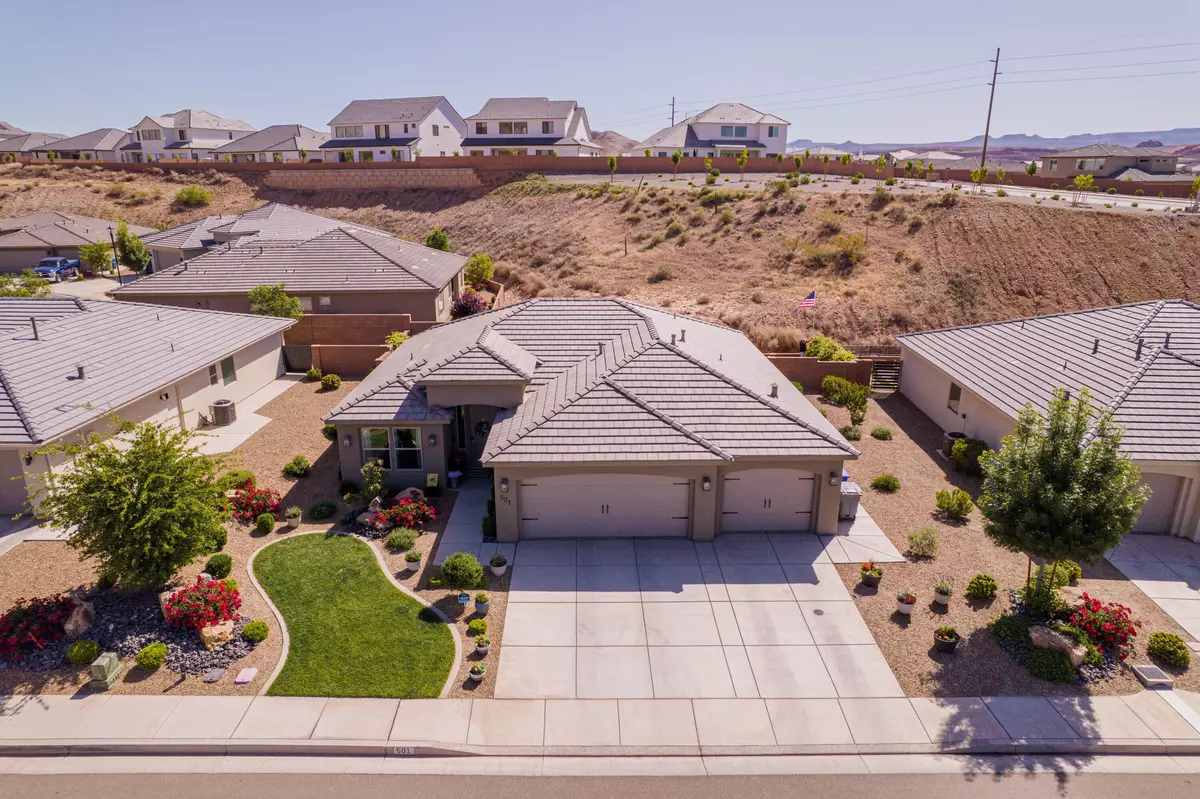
(68, 366)
(25, 240)
(277, 143)
(1109, 161)
(600, 417)
(102, 144)
(23, 146)
(1141, 361)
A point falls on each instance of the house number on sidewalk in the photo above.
(404, 750)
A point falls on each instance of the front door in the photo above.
(479, 425)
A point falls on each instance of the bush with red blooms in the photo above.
(411, 513)
(203, 604)
(249, 502)
(33, 623)
(1107, 624)
(467, 303)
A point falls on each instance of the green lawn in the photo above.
(352, 632)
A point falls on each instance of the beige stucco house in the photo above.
(601, 417)
(1141, 361)
(25, 240)
(1110, 161)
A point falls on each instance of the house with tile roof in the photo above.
(8, 130)
(1110, 161)
(394, 129)
(1139, 361)
(719, 132)
(25, 240)
(67, 367)
(529, 126)
(331, 266)
(187, 135)
(102, 144)
(24, 144)
(600, 417)
(274, 144)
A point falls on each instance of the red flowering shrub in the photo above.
(249, 502)
(32, 623)
(468, 303)
(1107, 624)
(205, 604)
(406, 513)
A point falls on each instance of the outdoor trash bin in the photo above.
(851, 494)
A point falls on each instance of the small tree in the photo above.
(130, 250)
(1000, 176)
(272, 300)
(1195, 195)
(143, 504)
(1031, 168)
(438, 240)
(51, 156)
(798, 162)
(373, 474)
(675, 158)
(347, 154)
(304, 155)
(880, 165)
(846, 159)
(825, 161)
(193, 196)
(612, 167)
(1060, 487)
(707, 164)
(25, 284)
(908, 168)
(98, 256)
(807, 155)
(741, 159)
(479, 269)
(778, 162)
(1081, 185)
(646, 152)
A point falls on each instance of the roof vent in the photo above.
(601, 346)
(774, 390)
(682, 336)
(1138, 355)
(1167, 341)
(672, 338)
(1095, 346)
(80, 372)
(33, 324)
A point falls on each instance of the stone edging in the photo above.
(287, 641)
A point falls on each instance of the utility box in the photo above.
(851, 494)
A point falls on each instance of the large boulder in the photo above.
(80, 620)
(164, 597)
(216, 636)
(1045, 638)
(411, 493)
(1072, 595)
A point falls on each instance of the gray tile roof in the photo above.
(524, 108)
(276, 138)
(56, 217)
(16, 312)
(1155, 396)
(27, 142)
(611, 381)
(195, 118)
(395, 109)
(1115, 150)
(682, 135)
(271, 222)
(189, 236)
(725, 113)
(343, 259)
(128, 351)
(104, 139)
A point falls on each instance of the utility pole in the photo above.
(672, 112)
(987, 128)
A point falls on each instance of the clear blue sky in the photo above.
(302, 61)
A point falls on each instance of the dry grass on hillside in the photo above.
(926, 260)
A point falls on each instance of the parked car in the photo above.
(56, 269)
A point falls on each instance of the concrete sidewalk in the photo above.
(1151, 722)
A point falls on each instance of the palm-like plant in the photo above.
(675, 158)
(741, 159)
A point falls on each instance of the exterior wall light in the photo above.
(503, 485)
(834, 479)
(433, 439)
(347, 440)
(28, 458)
(705, 483)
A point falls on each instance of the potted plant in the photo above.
(943, 589)
(905, 601)
(499, 563)
(482, 642)
(870, 574)
(412, 560)
(292, 515)
(454, 476)
(482, 603)
(478, 670)
(945, 639)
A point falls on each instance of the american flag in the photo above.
(808, 302)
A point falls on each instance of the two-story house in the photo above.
(529, 126)
(395, 129)
(187, 135)
(721, 131)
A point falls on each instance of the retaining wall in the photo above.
(810, 371)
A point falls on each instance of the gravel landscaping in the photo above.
(980, 667)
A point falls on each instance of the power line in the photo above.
(888, 97)
(1105, 77)
(637, 110)
(1103, 52)
(1103, 66)
(881, 91)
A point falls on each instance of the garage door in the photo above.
(1157, 513)
(604, 505)
(767, 499)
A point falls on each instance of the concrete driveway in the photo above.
(749, 615)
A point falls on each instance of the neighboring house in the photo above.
(8, 131)
(271, 222)
(1109, 161)
(25, 240)
(817, 152)
(529, 126)
(1141, 361)
(600, 417)
(346, 270)
(102, 144)
(721, 131)
(23, 145)
(901, 157)
(187, 135)
(68, 366)
(278, 143)
(396, 129)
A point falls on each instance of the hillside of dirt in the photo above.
(900, 261)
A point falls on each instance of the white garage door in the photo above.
(604, 505)
(1157, 513)
(767, 499)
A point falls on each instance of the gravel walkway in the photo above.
(980, 667)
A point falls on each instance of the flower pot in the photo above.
(942, 645)
(477, 677)
(293, 521)
(872, 580)
(499, 570)
(453, 481)
(482, 608)
(412, 565)
(481, 650)
(904, 607)
(941, 599)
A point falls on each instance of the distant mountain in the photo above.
(612, 143)
(1169, 138)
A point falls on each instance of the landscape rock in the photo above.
(164, 597)
(366, 518)
(80, 620)
(1072, 595)
(244, 676)
(413, 493)
(1045, 638)
(217, 635)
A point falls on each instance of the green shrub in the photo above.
(395, 339)
(832, 387)
(964, 455)
(890, 181)
(265, 523)
(401, 539)
(312, 375)
(1169, 650)
(194, 196)
(477, 627)
(1040, 604)
(330, 431)
(479, 270)
(1050, 665)
(882, 433)
(230, 583)
(219, 539)
(850, 433)
(886, 482)
(323, 509)
(824, 348)
(923, 543)
(1112, 191)
(219, 566)
(330, 382)
(83, 652)
(1066, 573)
(955, 504)
(1054, 186)
(256, 632)
(1011, 629)
(298, 466)
(236, 478)
(1092, 656)
(660, 274)
(674, 229)
(461, 571)
(151, 657)
(982, 586)
(438, 240)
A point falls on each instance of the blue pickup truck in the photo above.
(56, 269)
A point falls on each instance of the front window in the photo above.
(305, 304)
(772, 131)
(1053, 164)
(228, 373)
(408, 447)
(150, 135)
(480, 127)
(476, 152)
(213, 377)
(506, 127)
(183, 135)
(520, 127)
(347, 131)
(739, 131)
(548, 127)
(383, 131)
(435, 130)
(377, 445)
(955, 397)
(726, 131)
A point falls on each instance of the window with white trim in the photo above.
(506, 127)
(408, 447)
(548, 127)
(228, 372)
(435, 130)
(150, 135)
(955, 397)
(213, 377)
(347, 131)
(480, 128)
(383, 131)
(377, 445)
(772, 131)
(305, 304)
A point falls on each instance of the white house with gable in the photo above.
(719, 132)
(395, 129)
(529, 126)
(187, 135)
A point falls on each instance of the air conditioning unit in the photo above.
(224, 412)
